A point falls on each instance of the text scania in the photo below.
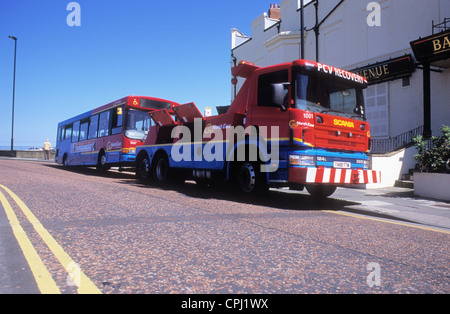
(347, 124)
(340, 73)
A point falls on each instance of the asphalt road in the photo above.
(113, 235)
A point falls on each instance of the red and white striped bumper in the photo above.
(323, 175)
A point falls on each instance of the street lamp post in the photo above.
(14, 92)
(302, 30)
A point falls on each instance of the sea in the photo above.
(18, 147)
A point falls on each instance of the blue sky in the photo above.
(179, 50)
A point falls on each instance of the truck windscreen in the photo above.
(318, 93)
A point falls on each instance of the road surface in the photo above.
(108, 233)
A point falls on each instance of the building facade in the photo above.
(406, 95)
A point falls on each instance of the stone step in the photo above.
(409, 184)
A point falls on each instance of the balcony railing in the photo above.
(404, 140)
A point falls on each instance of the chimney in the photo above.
(274, 12)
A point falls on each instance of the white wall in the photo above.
(432, 185)
(392, 166)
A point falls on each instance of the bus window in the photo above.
(68, 132)
(76, 132)
(117, 120)
(103, 129)
(84, 131)
(138, 125)
(59, 135)
(93, 127)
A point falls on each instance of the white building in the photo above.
(354, 35)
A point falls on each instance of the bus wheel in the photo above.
(102, 162)
(321, 191)
(143, 170)
(161, 169)
(250, 179)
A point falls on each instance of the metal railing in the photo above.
(385, 146)
(441, 26)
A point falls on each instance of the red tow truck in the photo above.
(299, 124)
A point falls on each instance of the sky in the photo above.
(176, 50)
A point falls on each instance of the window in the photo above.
(117, 120)
(377, 109)
(322, 94)
(84, 131)
(265, 87)
(138, 125)
(60, 134)
(103, 129)
(406, 81)
(76, 132)
(93, 127)
(68, 133)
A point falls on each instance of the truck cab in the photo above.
(324, 136)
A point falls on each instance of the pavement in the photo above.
(397, 203)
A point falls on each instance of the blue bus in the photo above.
(108, 136)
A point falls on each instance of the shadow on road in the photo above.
(280, 199)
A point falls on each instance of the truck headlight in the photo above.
(296, 160)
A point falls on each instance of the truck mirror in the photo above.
(278, 93)
(359, 110)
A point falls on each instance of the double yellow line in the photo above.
(41, 274)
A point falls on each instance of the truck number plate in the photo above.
(342, 165)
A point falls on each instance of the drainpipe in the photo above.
(316, 27)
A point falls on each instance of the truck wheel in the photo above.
(161, 169)
(250, 179)
(321, 191)
(143, 169)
